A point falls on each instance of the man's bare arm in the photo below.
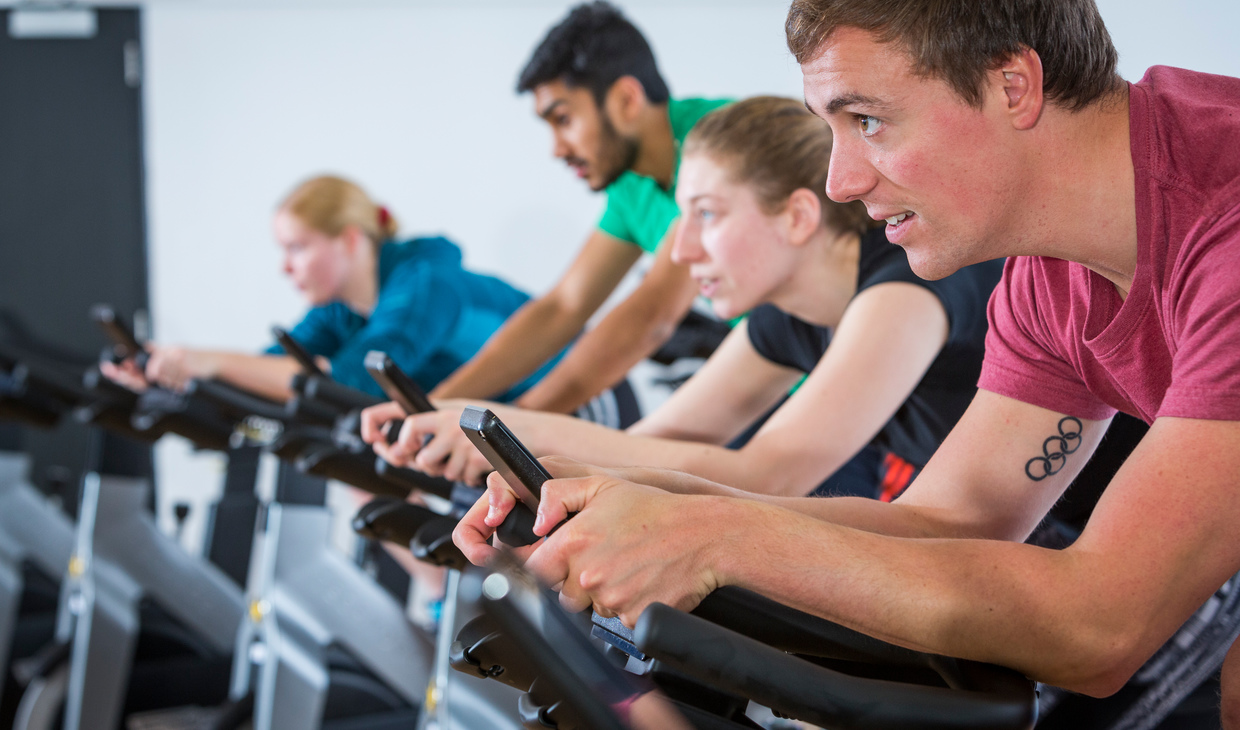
(541, 328)
(1160, 541)
(631, 331)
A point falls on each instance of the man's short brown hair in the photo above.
(959, 41)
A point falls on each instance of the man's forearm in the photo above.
(1037, 611)
(530, 337)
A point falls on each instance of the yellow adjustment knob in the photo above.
(259, 608)
(432, 697)
(77, 566)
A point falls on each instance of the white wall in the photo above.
(415, 100)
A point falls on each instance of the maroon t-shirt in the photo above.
(1060, 335)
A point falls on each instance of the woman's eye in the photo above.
(868, 125)
(706, 214)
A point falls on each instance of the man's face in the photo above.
(939, 171)
(583, 135)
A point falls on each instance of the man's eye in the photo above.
(869, 125)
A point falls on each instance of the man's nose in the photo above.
(850, 174)
(559, 148)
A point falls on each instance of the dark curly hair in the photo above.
(591, 48)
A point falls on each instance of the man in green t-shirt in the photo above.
(595, 82)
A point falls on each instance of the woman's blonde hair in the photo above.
(775, 146)
(329, 204)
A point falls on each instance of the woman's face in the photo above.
(739, 255)
(317, 263)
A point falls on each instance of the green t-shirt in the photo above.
(638, 210)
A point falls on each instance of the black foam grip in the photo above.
(412, 479)
(517, 529)
(788, 629)
(799, 689)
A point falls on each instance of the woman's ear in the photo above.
(804, 212)
(354, 238)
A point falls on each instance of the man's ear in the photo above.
(625, 101)
(804, 215)
(1020, 78)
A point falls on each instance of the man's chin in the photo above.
(930, 268)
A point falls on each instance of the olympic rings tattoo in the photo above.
(1055, 450)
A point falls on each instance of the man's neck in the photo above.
(656, 156)
(1082, 204)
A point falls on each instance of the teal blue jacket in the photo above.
(431, 316)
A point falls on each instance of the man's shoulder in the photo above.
(1186, 129)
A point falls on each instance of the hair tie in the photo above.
(384, 217)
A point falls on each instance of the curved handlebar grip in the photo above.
(235, 401)
(788, 629)
(433, 544)
(806, 691)
(328, 460)
(391, 520)
(414, 479)
(517, 529)
(322, 389)
(124, 344)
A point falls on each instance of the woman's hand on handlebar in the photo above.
(429, 442)
(126, 373)
(167, 366)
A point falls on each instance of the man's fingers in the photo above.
(458, 459)
(562, 497)
(500, 500)
(471, 535)
(476, 467)
(574, 602)
(549, 564)
(562, 467)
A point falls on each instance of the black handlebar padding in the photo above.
(433, 544)
(559, 660)
(234, 401)
(414, 479)
(482, 650)
(52, 382)
(303, 410)
(517, 529)
(298, 438)
(800, 689)
(159, 411)
(328, 460)
(327, 391)
(391, 520)
(788, 629)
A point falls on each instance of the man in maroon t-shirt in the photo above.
(983, 130)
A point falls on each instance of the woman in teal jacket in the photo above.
(367, 291)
